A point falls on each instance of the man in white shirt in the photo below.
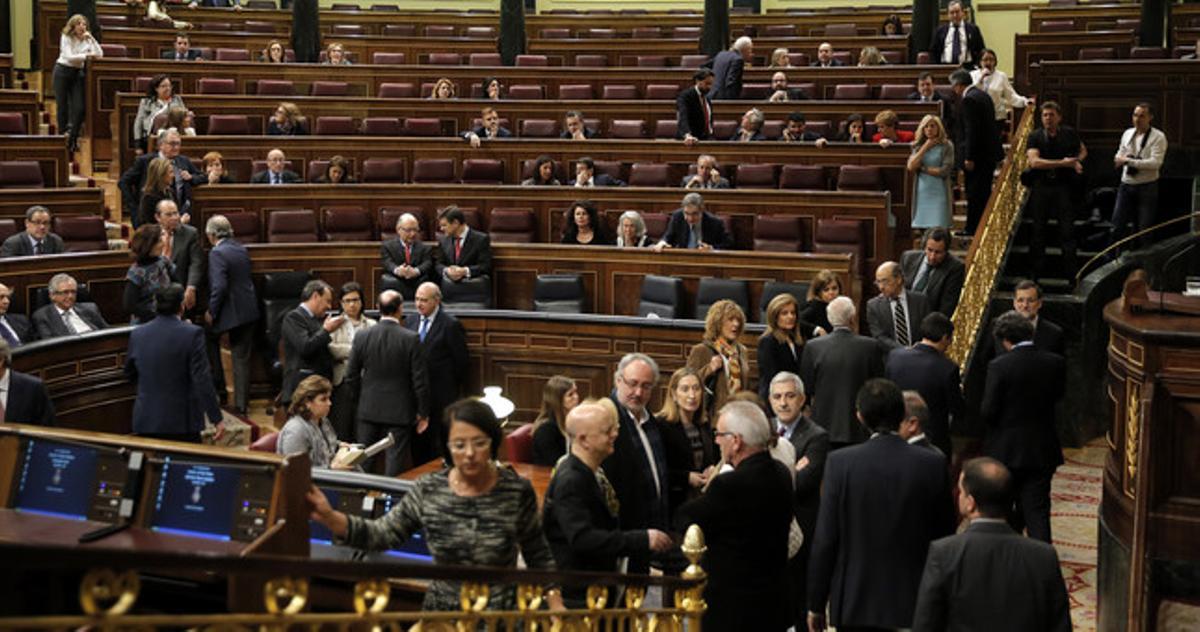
(959, 42)
(63, 316)
(1139, 157)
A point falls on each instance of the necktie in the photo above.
(901, 323)
(274, 178)
(922, 277)
(693, 238)
(955, 45)
(37, 247)
(66, 316)
(707, 114)
(782, 431)
(457, 249)
(424, 330)
(408, 254)
(9, 335)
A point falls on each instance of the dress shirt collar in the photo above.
(1024, 343)
(902, 296)
(390, 319)
(432, 316)
(915, 439)
(307, 310)
(786, 430)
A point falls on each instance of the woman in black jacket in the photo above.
(824, 288)
(781, 344)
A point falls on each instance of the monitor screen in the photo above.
(347, 501)
(67, 480)
(369, 504)
(212, 500)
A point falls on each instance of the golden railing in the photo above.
(109, 591)
(996, 229)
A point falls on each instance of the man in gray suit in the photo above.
(833, 368)
(895, 314)
(387, 369)
(727, 68)
(181, 244)
(935, 272)
(36, 239)
(63, 316)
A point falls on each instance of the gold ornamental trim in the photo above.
(1133, 426)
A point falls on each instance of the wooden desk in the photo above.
(6, 66)
(624, 52)
(50, 152)
(537, 475)
(1033, 48)
(1095, 17)
(24, 102)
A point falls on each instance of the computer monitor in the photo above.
(70, 480)
(366, 496)
(212, 499)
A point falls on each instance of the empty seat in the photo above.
(480, 32)
(349, 29)
(841, 30)
(8, 228)
(422, 127)
(624, 128)
(258, 26)
(648, 174)
(559, 293)
(752, 176)
(598, 33)
(685, 32)
(803, 177)
(1097, 52)
(13, 123)
(845, 91)
(214, 85)
(215, 26)
(380, 57)
(692, 61)
(433, 170)
(756, 91)
(656, 224)
(591, 61)
(778, 233)
(347, 223)
(724, 129)
(485, 59)
(382, 126)
(316, 170)
(1129, 24)
(798, 59)
(661, 92)
(526, 92)
(513, 225)
(652, 61)
(555, 33)
(81, 233)
(329, 89)
(712, 290)
(622, 91)
(114, 50)
(859, 178)
(292, 226)
(772, 130)
(1147, 52)
(843, 236)
(778, 30)
(245, 226)
(390, 8)
(445, 59)
(771, 289)
(661, 296)
(895, 91)
(482, 171)
(231, 54)
(275, 87)
(16, 174)
(539, 128)
(666, 128)
(439, 30)
(397, 91)
(383, 170)
(844, 57)
(467, 294)
(1057, 26)
(537, 61)
(576, 91)
(335, 126)
(646, 32)
(399, 30)
(229, 125)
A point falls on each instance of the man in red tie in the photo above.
(694, 109)
(466, 253)
(407, 260)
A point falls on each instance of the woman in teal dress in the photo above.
(933, 161)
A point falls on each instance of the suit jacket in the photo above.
(1046, 336)
(681, 461)
(774, 357)
(989, 579)
(601, 180)
(978, 140)
(944, 284)
(833, 368)
(305, 350)
(631, 478)
(392, 255)
(476, 254)
(833, 63)
(871, 539)
(19, 245)
(974, 43)
(727, 82)
(587, 133)
(737, 135)
(446, 357)
(883, 325)
(719, 183)
(809, 440)
(231, 297)
(689, 114)
(28, 401)
(188, 257)
(49, 322)
(923, 369)
(168, 361)
(1019, 396)
(745, 516)
(134, 179)
(288, 177)
(387, 369)
(946, 105)
(191, 55)
(21, 327)
(712, 231)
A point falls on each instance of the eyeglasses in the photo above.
(638, 386)
(478, 445)
(721, 433)
(38, 222)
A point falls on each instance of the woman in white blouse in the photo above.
(996, 84)
(75, 47)
(340, 339)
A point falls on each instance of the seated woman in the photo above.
(781, 344)
(892, 25)
(214, 167)
(160, 185)
(632, 233)
(491, 88)
(559, 396)
(852, 130)
(886, 122)
(160, 97)
(814, 321)
(543, 173)
(149, 272)
(688, 437)
(443, 89)
(274, 53)
(335, 55)
(308, 429)
(584, 227)
(337, 172)
(475, 513)
(870, 56)
(287, 121)
(720, 360)
(780, 59)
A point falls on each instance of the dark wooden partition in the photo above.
(69, 201)
(50, 152)
(26, 103)
(1033, 48)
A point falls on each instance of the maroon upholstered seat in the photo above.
(400, 30)
(779, 30)
(1097, 52)
(724, 129)
(859, 178)
(445, 59)
(1147, 52)
(775, 233)
(349, 29)
(1057, 26)
(480, 32)
(512, 225)
(652, 61)
(229, 125)
(803, 177)
(81, 233)
(576, 91)
(482, 171)
(692, 61)
(13, 123)
(620, 91)
(841, 30)
(485, 59)
(389, 215)
(232, 54)
(539, 128)
(851, 91)
(316, 169)
(598, 33)
(534, 61)
(845, 236)
(527, 92)
(895, 91)
(245, 226)
(8, 228)
(666, 128)
(591, 61)
(433, 170)
(555, 33)
(627, 128)
(648, 174)
(335, 126)
(347, 223)
(16, 174)
(685, 32)
(329, 88)
(257, 26)
(275, 87)
(380, 57)
(382, 126)
(756, 91)
(217, 85)
(292, 226)
(397, 91)
(656, 224)
(844, 57)
(114, 50)
(661, 92)
(383, 170)
(772, 130)
(798, 59)
(422, 127)
(755, 176)
(439, 30)
(518, 444)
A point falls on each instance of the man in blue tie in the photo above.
(15, 329)
(276, 171)
(444, 342)
(959, 42)
(693, 228)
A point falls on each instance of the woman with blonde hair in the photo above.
(720, 360)
(559, 396)
(287, 121)
(443, 89)
(814, 320)
(932, 160)
(335, 55)
(781, 344)
(75, 47)
(160, 185)
(780, 59)
(870, 56)
(687, 436)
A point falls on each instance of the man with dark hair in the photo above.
(977, 145)
(23, 397)
(693, 109)
(926, 92)
(444, 342)
(36, 239)
(407, 259)
(306, 331)
(388, 374)
(489, 128)
(586, 176)
(182, 50)
(1139, 158)
(894, 314)
(1056, 157)
(958, 42)
(466, 253)
(169, 364)
(934, 271)
(825, 58)
(1022, 388)
(232, 307)
(868, 574)
(693, 228)
(924, 368)
(795, 132)
(181, 245)
(574, 127)
(988, 578)
(1027, 300)
(15, 329)
(780, 91)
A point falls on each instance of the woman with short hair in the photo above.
(149, 272)
(720, 360)
(308, 429)
(631, 231)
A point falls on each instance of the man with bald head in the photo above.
(276, 171)
(15, 329)
(895, 314)
(181, 245)
(388, 373)
(580, 513)
(444, 343)
(407, 260)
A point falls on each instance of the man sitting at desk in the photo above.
(693, 228)
(23, 398)
(36, 239)
(466, 253)
(63, 316)
(15, 329)
(489, 128)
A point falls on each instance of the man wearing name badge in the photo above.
(444, 342)
(36, 239)
(693, 109)
(959, 42)
(407, 260)
(23, 397)
(181, 245)
(893, 315)
(15, 329)
(63, 316)
(934, 271)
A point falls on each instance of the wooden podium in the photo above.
(1149, 556)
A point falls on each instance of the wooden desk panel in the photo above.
(1091, 17)
(6, 66)
(26, 103)
(624, 52)
(1033, 48)
(50, 152)
(71, 201)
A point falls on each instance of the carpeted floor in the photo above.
(1075, 498)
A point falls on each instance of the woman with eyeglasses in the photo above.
(340, 340)
(475, 513)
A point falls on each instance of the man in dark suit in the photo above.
(977, 144)
(811, 444)
(1027, 300)
(23, 398)
(893, 314)
(833, 368)
(988, 578)
(232, 305)
(305, 334)
(707, 176)
(916, 418)
(63, 316)
(958, 42)
(15, 329)
(586, 176)
(580, 515)
(693, 109)
(181, 245)
(36, 239)
(168, 362)
(466, 253)
(276, 171)
(825, 58)
(727, 69)
(489, 128)
(796, 132)
(444, 342)
(924, 368)
(926, 92)
(692, 228)
(637, 467)
(868, 575)
(751, 127)
(407, 260)
(574, 128)
(745, 516)
(182, 51)
(169, 144)
(387, 370)
(780, 91)
(1021, 391)
(934, 271)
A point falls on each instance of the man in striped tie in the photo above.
(894, 314)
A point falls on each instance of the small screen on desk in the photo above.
(71, 481)
(222, 501)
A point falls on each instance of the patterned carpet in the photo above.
(1075, 498)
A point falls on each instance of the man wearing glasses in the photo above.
(170, 145)
(36, 239)
(63, 316)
